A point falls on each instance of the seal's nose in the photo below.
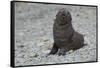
(63, 14)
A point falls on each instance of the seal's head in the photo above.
(64, 16)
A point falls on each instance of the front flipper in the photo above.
(54, 49)
(62, 52)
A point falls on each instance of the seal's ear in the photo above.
(69, 17)
(57, 14)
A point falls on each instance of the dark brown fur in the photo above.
(65, 37)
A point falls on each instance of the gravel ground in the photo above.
(34, 37)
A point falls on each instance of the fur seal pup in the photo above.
(65, 37)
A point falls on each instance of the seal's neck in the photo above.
(63, 23)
